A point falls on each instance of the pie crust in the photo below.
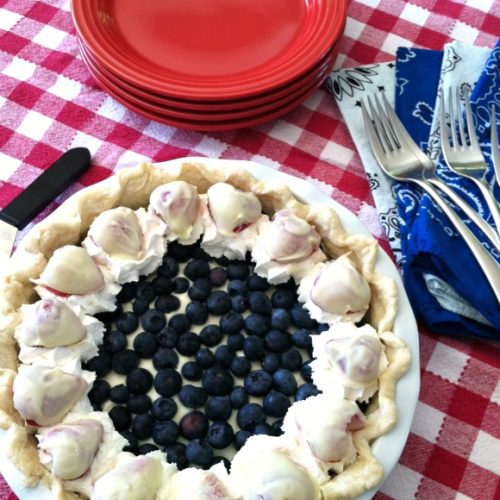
(131, 188)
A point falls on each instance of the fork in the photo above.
(495, 154)
(402, 160)
(463, 159)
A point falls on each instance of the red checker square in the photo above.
(123, 136)
(351, 184)
(8, 192)
(42, 155)
(431, 38)
(94, 174)
(363, 53)
(169, 152)
(12, 43)
(457, 437)
(487, 353)
(74, 116)
(57, 61)
(5, 135)
(42, 12)
(448, 8)
(435, 391)
(416, 453)
(250, 139)
(25, 94)
(433, 489)
(445, 467)
(480, 483)
(300, 160)
(468, 406)
(382, 20)
(490, 24)
(322, 125)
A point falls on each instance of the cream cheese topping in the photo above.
(129, 243)
(318, 435)
(335, 291)
(179, 206)
(348, 361)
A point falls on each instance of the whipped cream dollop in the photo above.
(335, 291)
(68, 450)
(128, 242)
(43, 395)
(287, 246)
(231, 219)
(318, 434)
(133, 478)
(262, 470)
(348, 361)
(179, 206)
(52, 330)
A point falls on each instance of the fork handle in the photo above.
(486, 262)
(488, 231)
(490, 200)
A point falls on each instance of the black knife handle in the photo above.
(46, 187)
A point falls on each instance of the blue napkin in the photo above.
(435, 256)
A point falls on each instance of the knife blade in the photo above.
(44, 189)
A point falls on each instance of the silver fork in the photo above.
(402, 160)
(495, 154)
(465, 159)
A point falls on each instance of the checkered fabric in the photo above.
(49, 103)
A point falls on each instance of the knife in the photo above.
(44, 189)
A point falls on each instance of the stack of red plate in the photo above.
(209, 64)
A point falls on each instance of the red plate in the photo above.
(209, 50)
(262, 102)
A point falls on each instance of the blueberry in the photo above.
(199, 452)
(291, 359)
(181, 285)
(180, 323)
(217, 381)
(301, 338)
(249, 416)
(165, 358)
(142, 426)
(99, 392)
(257, 324)
(107, 317)
(285, 382)
(199, 253)
(146, 448)
(193, 425)
(219, 302)
(283, 298)
(256, 282)
(254, 349)
(231, 323)
(115, 341)
(223, 261)
(239, 303)
(238, 397)
(167, 382)
(259, 303)
(301, 318)
(258, 383)
(167, 303)
(197, 312)
(237, 287)
(218, 408)
(263, 428)
(120, 417)
(238, 271)
(305, 391)
(188, 343)
(165, 433)
(139, 403)
(205, 358)
(240, 366)
(217, 276)
(200, 289)
(322, 327)
(119, 394)
(224, 355)
(133, 442)
(181, 253)
(169, 268)
(167, 337)
(277, 340)
(127, 322)
(139, 381)
(101, 364)
(125, 361)
(192, 396)
(235, 342)
(196, 269)
(163, 409)
(162, 285)
(280, 319)
(176, 454)
(220, 435)
(276, 404)
(240, 438)
(276, 427)
(127, 293)
(145, 345)
(191, 371)
(210, 335)
(271, 362)
(306, 371)
(153, 321)
(145, 290)
(140, 306)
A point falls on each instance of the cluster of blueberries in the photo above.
(251, 361)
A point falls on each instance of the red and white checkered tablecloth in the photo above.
(49, 103)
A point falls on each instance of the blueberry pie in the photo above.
(193, 332)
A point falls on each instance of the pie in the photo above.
(120, 237)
